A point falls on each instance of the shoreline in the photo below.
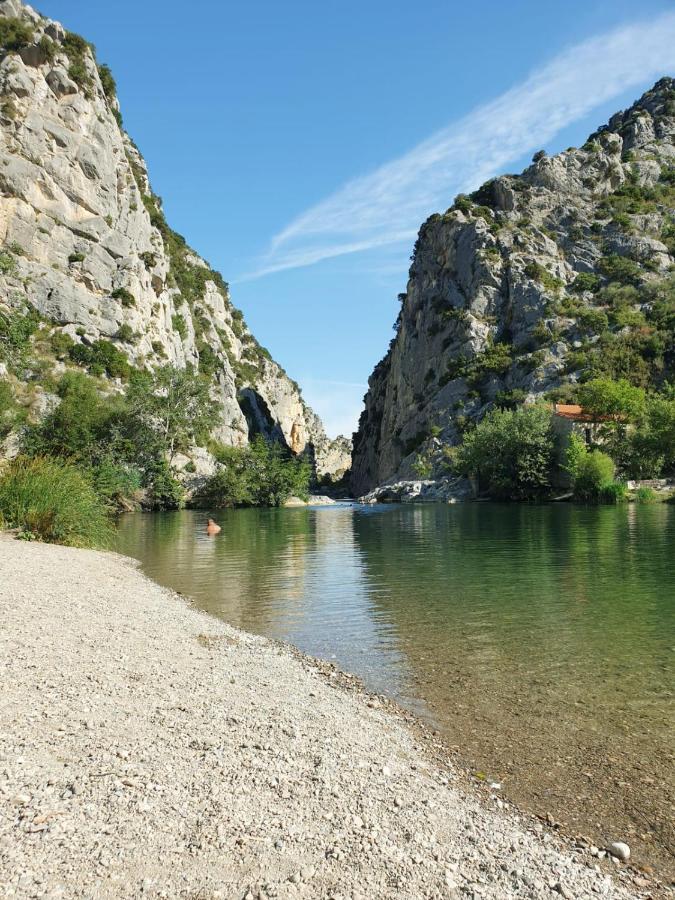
(346, 793)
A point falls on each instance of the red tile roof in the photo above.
(572, 411)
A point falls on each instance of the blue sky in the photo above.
(281, 133)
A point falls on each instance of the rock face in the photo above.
(501, 304)
(85, 242)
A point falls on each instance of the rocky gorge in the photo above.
(523, 289)
(86, 249)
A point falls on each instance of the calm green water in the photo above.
(539, 639)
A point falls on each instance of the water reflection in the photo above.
(540, 638)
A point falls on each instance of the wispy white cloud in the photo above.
(388, 205)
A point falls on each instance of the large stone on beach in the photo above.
(620, 850)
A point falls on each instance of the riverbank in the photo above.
(148, 749)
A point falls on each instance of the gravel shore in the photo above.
(148, 750)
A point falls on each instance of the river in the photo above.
(539, 640)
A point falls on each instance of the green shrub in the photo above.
(107, 81)
(645, 495)
(511, 453)
(116, 483)
(76, 258)
(592, 320)
(7, 262)
(101, 358)
(613, 492)
(620, 269)
(15, 34)
(166, 492)
(54, 501)
(78, 426)
(537, 272)
(594, 473)
(10, 411)
(126, 333)
(261, 474)
(209, 363)
(16, 331)
(510, 399)
(48, 48)
(76, 49)
(179, 325)
(125, 296)
(422, 466)
(61, 344)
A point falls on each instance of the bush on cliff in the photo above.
(123, 442)
(511, 452)
(54, 501)
(15, 34)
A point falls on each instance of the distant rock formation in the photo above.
(502, 306)
(85, 242)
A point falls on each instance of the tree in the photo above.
(604, 397)
(79, 426)
(511, 452)
(652, 446)
(261, 474)
(594, 474)
(175, 404)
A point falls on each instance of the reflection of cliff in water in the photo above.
(542, 639)
(292, 574)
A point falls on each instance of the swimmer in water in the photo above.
(212, 528)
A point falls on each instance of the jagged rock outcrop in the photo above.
(85, 242)
(526, 286)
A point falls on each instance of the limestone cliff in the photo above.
(532, 283)
(85, 243)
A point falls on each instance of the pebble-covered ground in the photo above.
(147, 750)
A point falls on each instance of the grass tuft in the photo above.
(51, 500)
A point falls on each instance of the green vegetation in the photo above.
(620, 400)
(7, 263)
(125, 444)
(11, 413)
(179, 325)
(126, 333)
(537, 272)
(261, 474)
(76, 49)
(620, 269)
(175, 405)
(510, 452)
(592, 473)
(53, 500)
(15, 34)
(107, 81)
(48, 48)
(16, 330)
(76, 258)
(124, 296)
(101, 358)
